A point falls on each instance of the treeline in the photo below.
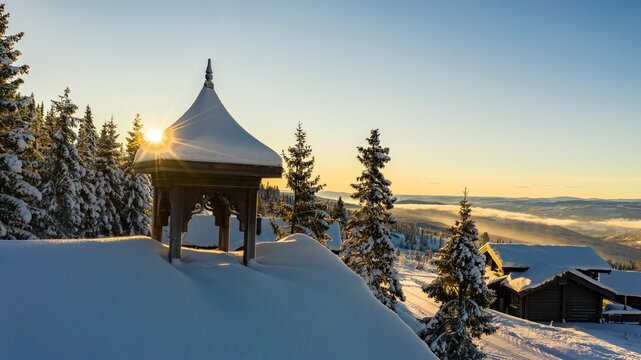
(59, 177)
(625, 265)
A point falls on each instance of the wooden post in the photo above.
(223, 231)
(156, 222)
(176, 223)
(250, 228)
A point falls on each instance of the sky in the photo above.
(527, 99)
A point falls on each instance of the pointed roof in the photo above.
(207, 133)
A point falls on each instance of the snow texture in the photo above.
(208, 133)
(569, 256)
(623, 282)
(203, 232)
(519, 339)
(119, 298)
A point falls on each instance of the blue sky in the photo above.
(538, 98)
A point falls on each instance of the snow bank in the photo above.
(119, 298)
(203, 232)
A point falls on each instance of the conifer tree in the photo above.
(462, 292)
(87, 150)
(109, 190)
(368, 250)
(62, 173)
(137, 188)
(32, 162)
(306, 214)
(339, 213)
(17, 194)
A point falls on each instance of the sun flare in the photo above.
(153, 135)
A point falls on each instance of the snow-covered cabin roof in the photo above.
(535, 265)
(538, 276)
(623, 282)
(523, 256)
(208, 133)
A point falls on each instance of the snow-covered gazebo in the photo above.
(206, 160)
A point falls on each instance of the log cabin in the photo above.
(547, 282)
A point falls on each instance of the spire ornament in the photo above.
(209, 75)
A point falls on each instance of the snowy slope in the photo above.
(119, 298)
(521, 339)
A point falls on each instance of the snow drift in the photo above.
(119, 298)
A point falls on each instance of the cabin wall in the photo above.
(555, 302)
(544, 304)
(582, 304)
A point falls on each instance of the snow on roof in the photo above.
(620, 309)
(623, 282)
(203, 232)
(208, 133)
(561, 256)
(537, 276)
(119, 298)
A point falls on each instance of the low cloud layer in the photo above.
(600, 226)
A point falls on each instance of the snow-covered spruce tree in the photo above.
(33, 160)
(339, 213)
(462, 292)
(62, 172)
(306, 214)
(87, 138)
(368, 250)
(17, 193)
(109, 181)
(137, 188)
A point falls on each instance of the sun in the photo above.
(153, 136)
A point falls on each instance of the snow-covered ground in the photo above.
(522, 339)
(119, 298)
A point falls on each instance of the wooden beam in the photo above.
(250, 227)
(176, 223)
(223, 231)
(156, 221)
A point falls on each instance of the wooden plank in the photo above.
(156, 222)
(201, 168)
(176, 223)
(249, 216)
(223, 232)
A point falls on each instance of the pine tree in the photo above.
(62, 172)
(368, 250)
(87, 150)
(339, 213)
(137, 188)
(17, 193)
(306, 214)
(463, 293)
(109, 190)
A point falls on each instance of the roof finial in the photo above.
(208, 75)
